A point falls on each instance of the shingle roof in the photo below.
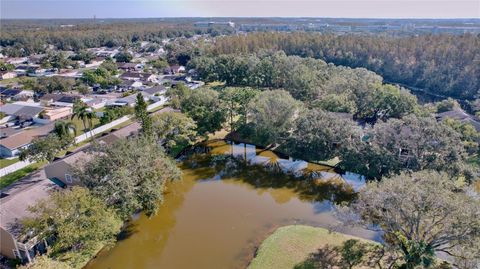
(135, 75)
(21, 110)
(51, 96)
(68, 99)
(20, 139)
(10, 109)
(155, 89)
(28, 111)
(10, 92)
(131, 99)
(18, 197)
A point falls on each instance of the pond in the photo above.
(230, 197)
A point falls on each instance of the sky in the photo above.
(239, 8)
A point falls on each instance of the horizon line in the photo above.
(246, 17)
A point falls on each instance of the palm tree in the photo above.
(83, 113)
(65, 129)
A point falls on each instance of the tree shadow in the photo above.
(129, 229)
(325, 258)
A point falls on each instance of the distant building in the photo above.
(174, 69)
(62, 100)
(214, 23)
(15, 94)
(138, 76)
(7, 74)
(130, 66)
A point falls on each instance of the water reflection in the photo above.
(226, 203)
(269, 171)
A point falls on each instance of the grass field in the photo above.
(12, 177)
(291, 245)
(79, 124)
(7, 162)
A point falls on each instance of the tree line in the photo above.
(441, 64)
(318, 84)
(22, 40)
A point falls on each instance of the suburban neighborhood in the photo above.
(296, 142)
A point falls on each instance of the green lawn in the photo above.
(79, 124)
(7, 162)
(12, 177)
(291, 245)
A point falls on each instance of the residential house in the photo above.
(156, 90)
(48, 98)
(15, 201)
(174, 69)
(22, 70)
(11, 146)
(95, 62)
(130, 66)
(62, 171)
(15, 94)
(157, 93)
(129, 85)
(21, 112)
(129, 100)
(41, 72)
(95, 102)
(138, 76)
(7, 74)
(19, 60)
(63, 100)
(36, 59)
(56, 113)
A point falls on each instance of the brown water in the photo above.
(223, 207)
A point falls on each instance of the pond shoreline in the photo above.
(218, 194)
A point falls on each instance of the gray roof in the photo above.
(131, 99)
(135, 75)
(21, 110)
(51, 97)
(18, 197)
(155, 89)
(28, 111)
(10, 109)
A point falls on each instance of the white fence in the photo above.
(101, 129)
(14, 167)
(161, 102)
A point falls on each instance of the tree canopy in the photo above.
(442, 64)
(174, 129)
(320, 135)
(271, 115)
(421, 214)
(65, 215)
(129, 175)
(206, 109)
